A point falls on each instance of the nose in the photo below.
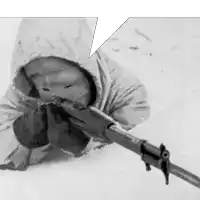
(42, 84)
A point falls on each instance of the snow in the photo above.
(171, 75)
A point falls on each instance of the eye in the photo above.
(46, 89)
(68, 86)
(34, 76)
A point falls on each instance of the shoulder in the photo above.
(119, 72)
(125, 85)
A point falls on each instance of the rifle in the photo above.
(99, 125)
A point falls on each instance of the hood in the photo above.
(68, 38)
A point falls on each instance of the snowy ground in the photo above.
(167, 60)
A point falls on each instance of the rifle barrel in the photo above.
(125, 139)
(185, 175)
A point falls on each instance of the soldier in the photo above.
(51, 59)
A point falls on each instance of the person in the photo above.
(51, 58)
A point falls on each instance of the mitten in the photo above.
(31, 128)
(63, 134)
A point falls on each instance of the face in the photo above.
(54, 77)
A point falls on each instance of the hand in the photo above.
(90, 120)
(62, 133)
(31, 129)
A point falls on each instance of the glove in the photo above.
(63, 134)
(86, 121)
(30, 131)
(31, 128)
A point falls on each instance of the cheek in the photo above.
(76, 92)
(46, 96)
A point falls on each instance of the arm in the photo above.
(11, 151)
(128, 97)
(132, 110)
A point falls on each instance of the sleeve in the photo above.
(13, 155)
(129, 98)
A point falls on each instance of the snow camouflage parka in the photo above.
(119, 94)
